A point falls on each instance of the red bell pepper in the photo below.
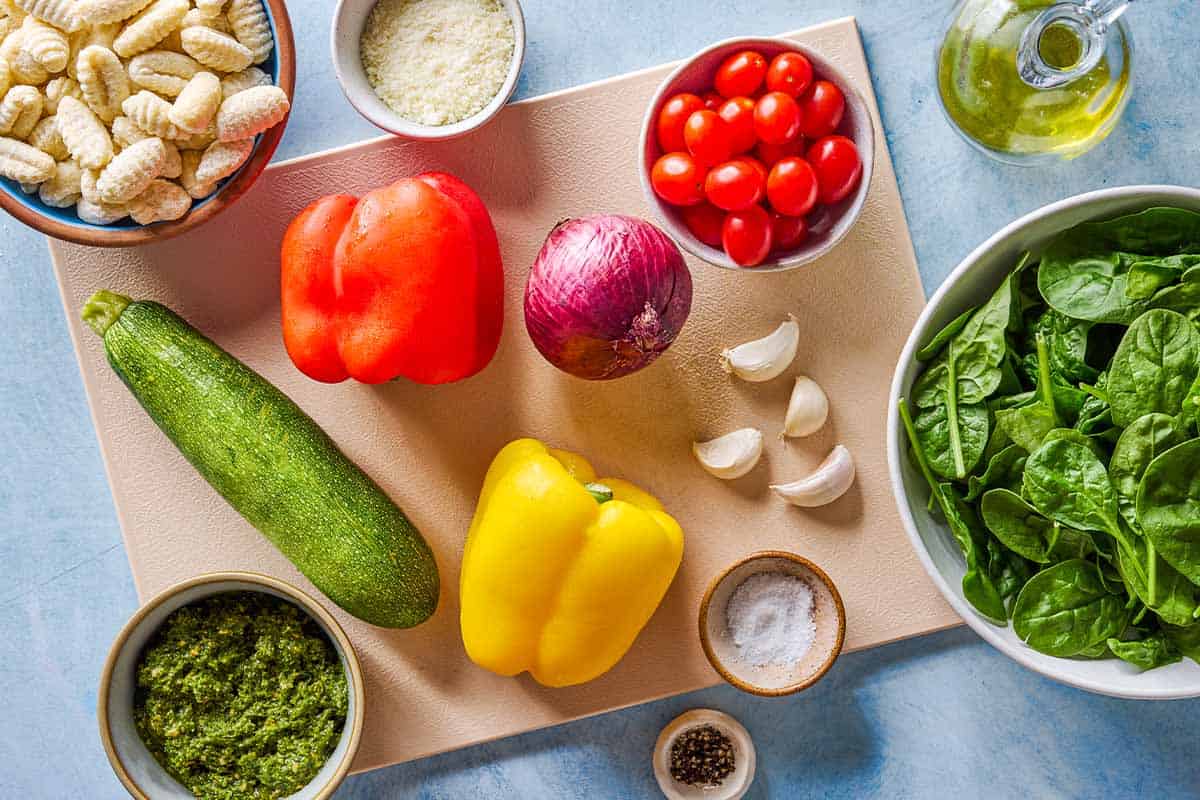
(406, 281)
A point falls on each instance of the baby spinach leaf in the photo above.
(1003, 471)
(1168, 507)
(1066, 482)
(1084, 272)
(1068, 344)
(1020, 528)
(933, 429)
(1155, 650)
(977, 585)
(1065, 609)
(1186, 638)
(1026, 425)
(1174, 598)
(934, 346)
(1072, 435)
(1154, 367)
(1148, 437)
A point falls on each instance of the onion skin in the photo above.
(606, 296)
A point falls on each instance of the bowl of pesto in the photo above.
(227, 686)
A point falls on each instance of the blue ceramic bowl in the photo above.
(64, 223)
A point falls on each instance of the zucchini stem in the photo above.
(103, 309)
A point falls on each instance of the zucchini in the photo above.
(271, 462)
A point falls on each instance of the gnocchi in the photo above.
(248, 18)
(162, 71)
(197, 104)
(214, 49)
(251, 112)
(62, 14)
(132, 108)
(150, 27)
(61, 190)
(23, 162)
(241, 81)
(131, 171)
(103, 81)
(85, 136)
(99, 12)
(161, 201)
(152, 114)
(20, 111)
(45, 137)
(222, 159)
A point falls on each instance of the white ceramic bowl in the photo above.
(972, 282)
(827, 225)
(133, 763)
(348, 22)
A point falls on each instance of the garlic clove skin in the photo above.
(826, 484)
(732, 455)
(807, 409)
(766, 358)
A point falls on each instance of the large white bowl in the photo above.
(972, 282)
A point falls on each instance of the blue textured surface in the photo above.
(941, 716)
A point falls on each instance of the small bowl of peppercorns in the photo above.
(704, 753)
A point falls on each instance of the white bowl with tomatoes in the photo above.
(757, 154)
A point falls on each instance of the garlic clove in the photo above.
(732, 455)
(807, 409)
(826, 484)
(765, 358)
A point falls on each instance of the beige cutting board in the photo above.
(541, 160)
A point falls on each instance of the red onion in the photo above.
(606, 296)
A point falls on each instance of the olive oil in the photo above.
(985, 95)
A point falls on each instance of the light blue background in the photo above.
(940, 716)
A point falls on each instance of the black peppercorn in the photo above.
(702, 756)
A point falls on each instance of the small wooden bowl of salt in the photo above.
(772, 624)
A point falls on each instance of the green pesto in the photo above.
(240, 696)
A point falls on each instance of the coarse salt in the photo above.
(770, 619)
(437, 62)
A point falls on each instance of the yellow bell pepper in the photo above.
(557, 578)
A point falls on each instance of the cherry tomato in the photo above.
(769, 154)
(746, 235)
(708, 137)
(790, 73)
(838, 167)
(678, 179)
(741, 74)
(787, 233)
(759, 167)
(705, 221)
(821, 109)
(776, 118)
(712, 100)
(792, 187)
(738, 113)
(671, 119)
(734, 185)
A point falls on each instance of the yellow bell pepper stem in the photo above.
(561, 571)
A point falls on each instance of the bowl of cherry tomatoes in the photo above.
(757, 154)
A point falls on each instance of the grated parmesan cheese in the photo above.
(437, 62)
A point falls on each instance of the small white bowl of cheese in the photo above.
(428, 69)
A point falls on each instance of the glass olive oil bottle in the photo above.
(1028, 81)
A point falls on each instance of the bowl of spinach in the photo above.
(1044, 444)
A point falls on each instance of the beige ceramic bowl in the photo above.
(348, 22)
(773, 681)
(827, 225)
(142, 776)
(735, 786)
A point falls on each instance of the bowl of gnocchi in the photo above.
(129, 121)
